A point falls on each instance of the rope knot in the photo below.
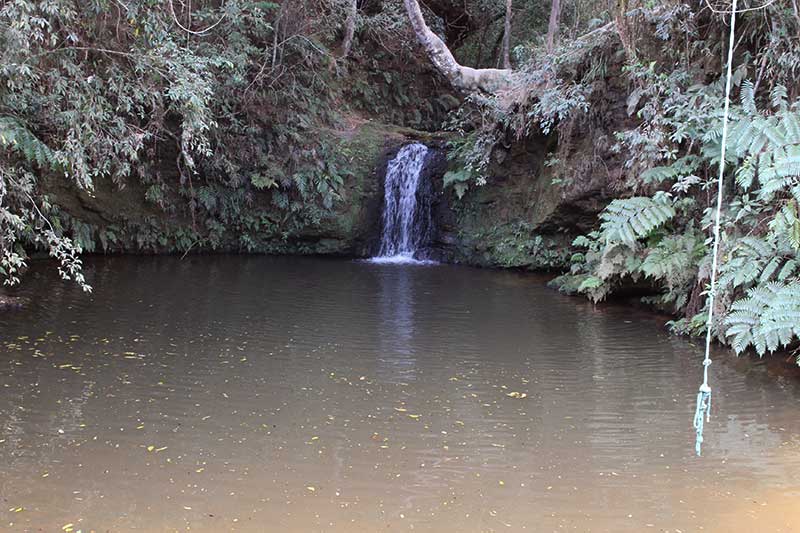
(702, 414)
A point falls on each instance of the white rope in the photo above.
(704, 396)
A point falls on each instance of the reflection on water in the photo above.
(279, 394)
(397, 356)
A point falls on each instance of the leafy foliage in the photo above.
(630, 219)
(214, 111)
(675, 146)
(767, 318)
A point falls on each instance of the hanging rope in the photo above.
(703, 410)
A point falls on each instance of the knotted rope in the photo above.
(703, 410)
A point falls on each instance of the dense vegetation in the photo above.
(217, 113)
(212, 114)
(655, 236)
(661, 236)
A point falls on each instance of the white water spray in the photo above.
(407, 208)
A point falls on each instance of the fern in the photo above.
(767, 319)
(779, 96)
(757, 259)
(787, 224)
(673, 262)
(685, 166)
(631, 219)
(18, 138)
(748, 98)
(782, 172)
(746, 172)
(790, 122)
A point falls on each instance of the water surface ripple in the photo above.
(297, 395)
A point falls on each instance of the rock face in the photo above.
(529, 211)
(525, 216)
(122, 220)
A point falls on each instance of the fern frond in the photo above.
(18, 138)
(778, 97)
(790, 122)
(748, 97)
(767, 319)
(630, 219)
(789, 268)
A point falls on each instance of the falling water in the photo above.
(407, 208)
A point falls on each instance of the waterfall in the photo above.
(407, 224)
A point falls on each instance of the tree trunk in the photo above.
(349, 27)
(465, 78)
(507, 37)
(552, 25)
(624, 30)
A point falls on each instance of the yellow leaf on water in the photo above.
(151, 448)
(414, 416)
(312, 489)
(400, 409)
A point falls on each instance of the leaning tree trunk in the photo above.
(507, 37)
(349, 27)
(552, 25)
(625, 30)
(465, 78)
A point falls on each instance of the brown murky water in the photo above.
(299, 395)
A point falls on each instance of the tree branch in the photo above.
(489, 80)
